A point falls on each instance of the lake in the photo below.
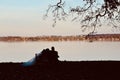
(69, 50)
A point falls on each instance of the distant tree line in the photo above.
(97, 37)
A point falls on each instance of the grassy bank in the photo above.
(89, 70)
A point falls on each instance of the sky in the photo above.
(25, 18)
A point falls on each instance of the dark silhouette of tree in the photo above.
(91, 15)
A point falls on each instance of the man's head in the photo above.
(52, 48)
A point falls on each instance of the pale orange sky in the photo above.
(24, 18)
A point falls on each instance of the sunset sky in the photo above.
(25, 18)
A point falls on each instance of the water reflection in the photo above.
(75, 51)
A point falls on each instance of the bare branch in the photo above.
(89, 15)
(58, 12)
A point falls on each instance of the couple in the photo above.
(47, 55)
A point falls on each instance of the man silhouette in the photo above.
(54, 55)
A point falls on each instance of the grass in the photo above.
(85, 70)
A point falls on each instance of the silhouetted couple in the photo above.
(50, 56)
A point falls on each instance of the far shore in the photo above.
(89, 38)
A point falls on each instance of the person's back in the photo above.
(54, 55)
(44, 56)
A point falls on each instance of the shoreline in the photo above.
(88, 38)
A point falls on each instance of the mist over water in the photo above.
(69, 51)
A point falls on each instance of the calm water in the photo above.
(72, 51)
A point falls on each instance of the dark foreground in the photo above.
(91, 70)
